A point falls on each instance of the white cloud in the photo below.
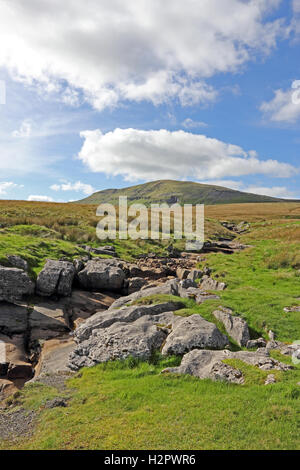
(78, 187)
(137, 154)
(6, 185)
(284, 107)
(110, 50)
(189, 123)
(39, 198)
(273, 191)
(25, 129)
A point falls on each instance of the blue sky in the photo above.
(109, 94)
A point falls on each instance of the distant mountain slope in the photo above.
(183, 192)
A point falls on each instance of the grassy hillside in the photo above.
(184, 192)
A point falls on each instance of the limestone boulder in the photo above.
(138, 339)
(56, 278)
(235, 326)
(191, 333)
(100, 275)
(14, 284)
(206, 364)
(123, 315)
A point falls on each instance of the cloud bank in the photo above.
(149, 155)
(107, 51)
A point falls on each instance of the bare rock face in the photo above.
(102, 274)
(236, 327)
(206, 364)
(130, 331)
(14, 284)
(208, 283)
(56, 278)
(13, 319)
(123, 315)
(119, 341)
(47, 320)
(193, 332)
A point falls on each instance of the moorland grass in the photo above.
(130, 405)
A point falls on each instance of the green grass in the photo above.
(257, 292)
(129, 405)
(36, 250)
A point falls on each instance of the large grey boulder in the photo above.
(194, 332)
(206, 364)
(138, 339)
(14, 284)
(101, 274)
(236, 327)
(170, 288)
(55, 278)
(123, 315)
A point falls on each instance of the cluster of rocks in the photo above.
(131, 327)
(66, 294)
(239, 228)
(104, 302)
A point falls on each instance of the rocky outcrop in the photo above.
(14, 284)
(208, 283)
(120, 340)
(100, 274)
(123, 315)
(130, 331)
(236, 327)
(56, 278)
(193, 332)
(206, 364)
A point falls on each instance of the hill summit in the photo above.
(183, 192)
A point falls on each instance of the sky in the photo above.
(106, 94)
